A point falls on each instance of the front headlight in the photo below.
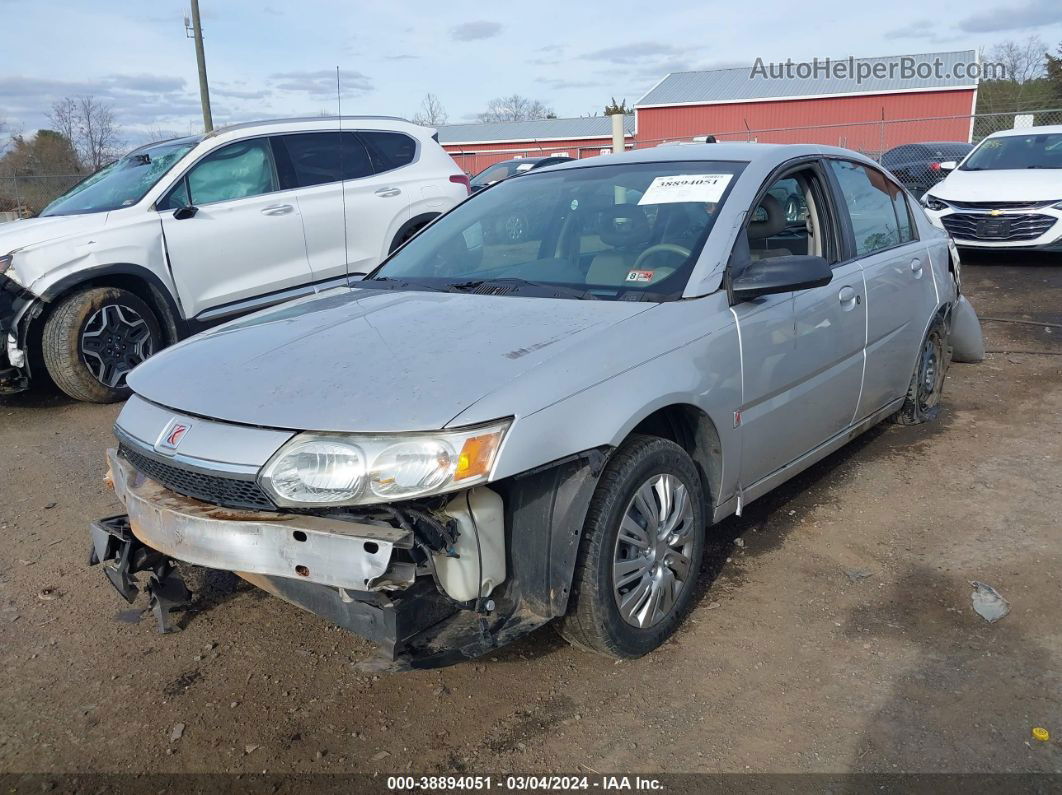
(933, 203)
(5, 263)
(326, 469)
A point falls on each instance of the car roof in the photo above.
(297, 123)
(733, 152)
(1046, 129)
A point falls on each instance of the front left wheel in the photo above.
(94, 338)
(641, 551)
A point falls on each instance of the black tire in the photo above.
(922, 403)
(121, 325)
(594, 620)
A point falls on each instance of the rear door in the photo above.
(244, 238)
(346, 219)
(802, 352)
(901, 294)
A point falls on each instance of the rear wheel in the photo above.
(927, 383)
(641, 551)
(94, 339)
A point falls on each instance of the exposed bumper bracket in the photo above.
(122, 556)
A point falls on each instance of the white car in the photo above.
(1005, 194)
(183, 234)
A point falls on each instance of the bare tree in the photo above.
(89, 124)
(516, 108)
(431, 113)
(1022, 60)
(99, 133)
(64, 119)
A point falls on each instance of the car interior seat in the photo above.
(625, 230)
(760, 232)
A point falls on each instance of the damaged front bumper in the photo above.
(374, 575)
(16, 306)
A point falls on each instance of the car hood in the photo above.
(369, 359)
(34, 231)
(1005, 185)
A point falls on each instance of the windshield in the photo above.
(1036, 150)
(626, 232)
(122, 183)
(495, 173)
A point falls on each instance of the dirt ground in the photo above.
(835, 633)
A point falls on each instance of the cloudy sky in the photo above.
(270, 58)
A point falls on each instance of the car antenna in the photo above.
(342, 178)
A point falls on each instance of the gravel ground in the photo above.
(834, 634)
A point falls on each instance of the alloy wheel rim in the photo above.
(115, 340)
(652, 564)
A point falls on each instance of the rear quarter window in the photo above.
(389, 150)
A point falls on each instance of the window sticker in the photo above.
(686, 188)
(640, 276)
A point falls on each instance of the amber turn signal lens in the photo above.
(476, 456)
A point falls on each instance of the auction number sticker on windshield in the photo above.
(686, 188)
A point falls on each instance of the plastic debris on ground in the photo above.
(988, 602)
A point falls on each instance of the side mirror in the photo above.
(780, 275)
(188, 211)
(949, 165)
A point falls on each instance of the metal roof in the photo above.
(537, 130)
(834, 76)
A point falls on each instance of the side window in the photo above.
(389, 150)
(232, 172)
(177, 197)
(787, 220)
(305, 159)
(868, 199)
(903, 214)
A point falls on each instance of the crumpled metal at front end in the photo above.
(315, 549)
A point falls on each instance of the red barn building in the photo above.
(869, 104)
(476, 146)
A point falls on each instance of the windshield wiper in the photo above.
(399, 283)
(558, 290)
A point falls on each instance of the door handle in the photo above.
(848, 297)
(277, 209)
(385, 193)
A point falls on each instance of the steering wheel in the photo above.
(674, 248)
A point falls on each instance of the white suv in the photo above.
(180, 235)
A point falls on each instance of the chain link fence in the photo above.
(25, 195)
(913, 149)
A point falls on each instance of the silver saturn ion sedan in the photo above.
(484, 435)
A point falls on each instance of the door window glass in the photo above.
(868, 198)
(389, 150)
(306, 159)
(232, 172)
(786, 222)
(903, 214)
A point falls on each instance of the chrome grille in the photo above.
(997, 228)
(1000, 205)
(228, 492)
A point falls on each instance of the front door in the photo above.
(802, 352)
(230, 235)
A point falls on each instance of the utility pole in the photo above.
(195, 31)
